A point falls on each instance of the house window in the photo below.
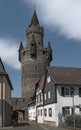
(66, 91)
(65, 111)
(45, 96)
(72, 111)
(80, 110)
(79, 92)
(38, 112)
(38, 98)
(45, 112)
(41, 112)
(48, 79)
(41, 98)
(50, 112)
(62, 91)
(48, 94)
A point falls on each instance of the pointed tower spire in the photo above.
(49, 52)
(21, 46)
(34, 20)
(35, 29)
(20, 50)
(49, 45)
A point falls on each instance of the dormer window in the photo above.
(48, 79)
(48, 94)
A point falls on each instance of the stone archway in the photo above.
(18, 116)
(21, 116)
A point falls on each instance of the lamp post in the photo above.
(72, 94)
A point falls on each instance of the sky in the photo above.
(61, 20)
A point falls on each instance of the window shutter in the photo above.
(62, 91)
(79, 92)
(63, 111)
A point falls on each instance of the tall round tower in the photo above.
(34, 58)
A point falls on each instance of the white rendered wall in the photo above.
(62, 102)
(47, 118)
(32, 113)
(65, 102)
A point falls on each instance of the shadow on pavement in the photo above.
(21, 124)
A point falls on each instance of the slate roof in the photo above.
(34, 20)
(65, 75)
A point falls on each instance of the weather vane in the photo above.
(34, 4)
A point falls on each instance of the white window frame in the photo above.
(50, 112)
(67, 92)
(48, 94)
(41, 97)
(45, 112)
(66, 112)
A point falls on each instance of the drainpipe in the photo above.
(72, 94)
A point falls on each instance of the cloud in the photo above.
(61, 15)
(9, 52)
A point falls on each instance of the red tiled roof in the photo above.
(41, 82)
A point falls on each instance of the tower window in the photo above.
(35, 67)
(24, 53)
(43, 52)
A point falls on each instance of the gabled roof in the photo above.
(2, 69)
(40, 83)
(3, 73)
(65, 75)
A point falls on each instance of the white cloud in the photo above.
(9, 52)
(63, 15)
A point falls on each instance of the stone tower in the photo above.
(34, 57)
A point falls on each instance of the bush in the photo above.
(70, 120)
